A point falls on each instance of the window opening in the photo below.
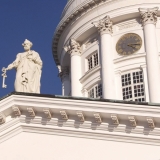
(133, 86)
(93, 61)
(95, 92)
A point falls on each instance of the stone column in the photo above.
(104, 27)
(118, 85)
(76, 70)
(66, 84)
(149, 20)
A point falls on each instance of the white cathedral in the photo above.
(107, 54)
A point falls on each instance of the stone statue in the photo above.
(28, 67)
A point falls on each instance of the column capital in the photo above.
(73, 48)
(104, 25)
(148, 15)
(64, 73)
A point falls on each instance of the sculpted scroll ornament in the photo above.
(73, 47)
(148, 15)
(104, 25)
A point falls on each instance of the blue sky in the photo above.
(35, 20)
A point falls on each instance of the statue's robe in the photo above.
(28, 66)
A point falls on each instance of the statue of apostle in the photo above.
(28, 67)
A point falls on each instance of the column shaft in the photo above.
(145, 78)
(107, 66)
(152, 59)
(149, 20)
(74, 50)
(76, 86)
(118, 85)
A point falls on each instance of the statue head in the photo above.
(27, 45)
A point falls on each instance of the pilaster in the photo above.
(145, 78)
(118, 85)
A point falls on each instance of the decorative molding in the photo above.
(148, 15)
(80, 116)
(114, 119)
(64, 115)
(84, 92)
(132, 121)
(121, 59)
(128, 24)
(47, 113)
(104, 26)
(118, 72)
(73, 48)
(140, 111)
(2, 118)
(87, 44)
(31, 112)
(16, 111)
(89, 73)
(102, 132)
(150, 123)
(97, 118)
(143, 66)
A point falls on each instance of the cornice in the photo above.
(101, 131)
(89, 73)
(125, 58)
(89, 128)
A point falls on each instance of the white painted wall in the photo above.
(31, 146)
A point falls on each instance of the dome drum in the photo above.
(112, 42)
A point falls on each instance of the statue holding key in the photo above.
(28, 65)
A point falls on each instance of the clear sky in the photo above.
(35, 20)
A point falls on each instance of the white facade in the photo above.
(80, 20)
(38, 127)
(49, 127)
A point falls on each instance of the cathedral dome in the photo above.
(72, 5)
(78, 48)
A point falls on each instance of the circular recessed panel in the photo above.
(129, 44)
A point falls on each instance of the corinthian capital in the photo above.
(104, 25)
(64, 73)
(73, 47)
(148, 15)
